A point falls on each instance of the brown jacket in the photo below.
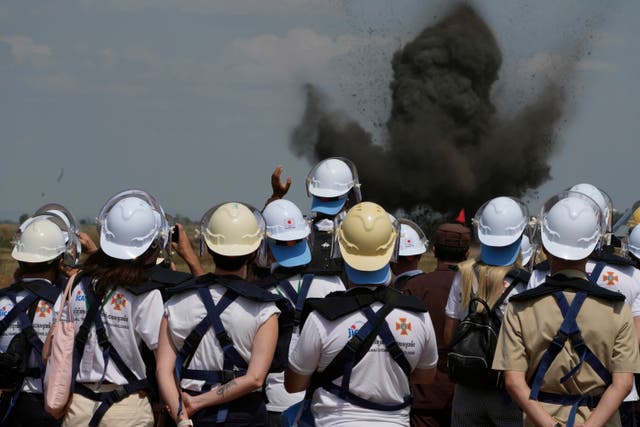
(433, 289)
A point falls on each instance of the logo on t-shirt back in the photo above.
(353, 330)
(610, 278)
(3, 311)
(403, 326)
(118, 302)
(80, 296)
(44, 309)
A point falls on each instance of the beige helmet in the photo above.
(635, 219)
(367, 238)
(232, 229)
(38, 240)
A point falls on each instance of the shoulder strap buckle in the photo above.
(223, 339)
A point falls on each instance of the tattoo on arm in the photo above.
(224, 387)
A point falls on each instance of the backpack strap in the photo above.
(517, 276)
(297, 299)
(233, 364)
(597, 270)
(109, 352)
(21, 311)
(19, 307)
(352, 353)
(569, 330)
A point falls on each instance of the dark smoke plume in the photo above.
(446, 146)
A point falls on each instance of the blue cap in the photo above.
(500, 255)
(328, 207)
(291, 256)
(377, 277)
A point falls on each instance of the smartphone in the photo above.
(175, 234)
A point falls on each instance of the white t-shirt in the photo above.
(241, 319)
(321, 286)
(617, 278)
(454, 308)
(376, 377)
(42, 320)
(127, 319)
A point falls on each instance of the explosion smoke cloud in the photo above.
(446, 146)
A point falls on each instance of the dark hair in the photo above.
(449, 253)
(124, 273)
(230, 263)
(36, 267)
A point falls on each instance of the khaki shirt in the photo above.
(528, 328)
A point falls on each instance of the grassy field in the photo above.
(8, 265)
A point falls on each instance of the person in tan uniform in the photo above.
(568, 348)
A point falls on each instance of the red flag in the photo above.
(461, 218)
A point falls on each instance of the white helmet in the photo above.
(412, 239)
(501, 221)
(571, 225)
(332, 177)
(284, 221)
(634, 242)
(129, 223)
(39, 239)
(600, 197)
(232, 229)
(287, 231)
(70, 229)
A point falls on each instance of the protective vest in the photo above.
(569, 330)
(233, 364)
(109, 352)
(401, 282)
(24, 311)
(607, 255)
(604, 255)
(281, 282)
(338, 304)
(163, 279)
(322, 262)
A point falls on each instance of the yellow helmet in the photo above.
(232, 229)
(367, 237)
(634, 220)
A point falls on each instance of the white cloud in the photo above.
(229, 7)
(301, 50)
(25, 49)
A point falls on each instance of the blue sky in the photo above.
(194, 100)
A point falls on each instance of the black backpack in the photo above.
(473, 345)
(13, 363)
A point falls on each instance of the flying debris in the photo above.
(60, 175)
(446, 147)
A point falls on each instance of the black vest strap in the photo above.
(569, 330)
(297, 299)
(356, 348)
(233, 363)
(401, 282)
(341, 303)
(23, 311)
(109, 352)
